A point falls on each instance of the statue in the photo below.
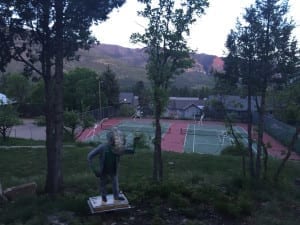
(109, 156)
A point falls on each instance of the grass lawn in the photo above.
(197, 190)
(20, 142)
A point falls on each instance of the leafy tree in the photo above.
(73, 121)
(260, 50)
(286, 104)
(143, 94)
(168, 54)
(8, 119)
(81, 89)
(110, 88)
(17, 88)
(289, 99)
(38, 93)
(126, 110)
(41, 34)
(240, 68)
(287, 108)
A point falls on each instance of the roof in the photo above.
(126, 98)
(195, 106)
(238, 103)
(3, 99)
(182, 103)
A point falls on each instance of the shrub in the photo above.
(157, 220)
(235, 150)
(178, 200)
(40, 121)
(8, 119)
(126, 110)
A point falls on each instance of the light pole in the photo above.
(100, 105)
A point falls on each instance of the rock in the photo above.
(13, 193)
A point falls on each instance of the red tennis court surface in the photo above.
(174, 140)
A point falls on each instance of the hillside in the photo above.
(129, 65)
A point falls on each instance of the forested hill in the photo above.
(129, 65)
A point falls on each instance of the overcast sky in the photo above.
(208, 34)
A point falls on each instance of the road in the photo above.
(29, 130)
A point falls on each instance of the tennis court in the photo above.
(129, 128)
(178, 135)
(210, 139)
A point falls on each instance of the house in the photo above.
(236, 103)
(184, 107)
(128, 98)
(4, 100)
(237, 106)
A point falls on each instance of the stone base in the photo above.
(98, 206)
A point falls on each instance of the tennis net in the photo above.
(202, 132)
(136, 128)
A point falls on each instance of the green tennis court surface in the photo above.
(129, 128)
(210, 139)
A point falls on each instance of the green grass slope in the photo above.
(197, 189)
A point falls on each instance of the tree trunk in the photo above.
(157, 157)
(54, 114)
(237, 143)
(260, 132)
(249, 127)
(53, 142)
(265, 160)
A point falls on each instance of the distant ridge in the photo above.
(129, 65)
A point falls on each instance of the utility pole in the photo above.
(100, 105)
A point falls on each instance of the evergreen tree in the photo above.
(261, 49)
(110, 88)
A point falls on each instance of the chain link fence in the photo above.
(98, 115)
(279, 130)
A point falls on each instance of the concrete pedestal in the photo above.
(98, 206)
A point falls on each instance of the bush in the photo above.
(40, 121)
(126, 110)
(178, 201)
(234, 207)
(235, 150)
(8, 119)
(143, 141)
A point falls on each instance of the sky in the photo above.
(208, 34)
